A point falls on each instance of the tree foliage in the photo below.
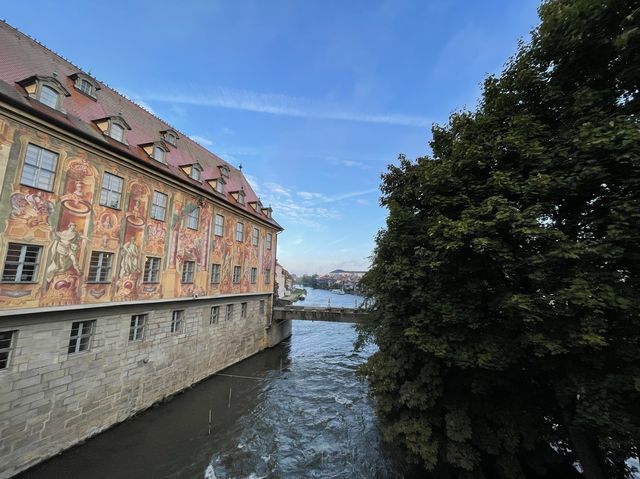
(506, 283)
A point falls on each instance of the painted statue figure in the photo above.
(63, 251)
(129, 258)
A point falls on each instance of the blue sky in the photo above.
(313, 98)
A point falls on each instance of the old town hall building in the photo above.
(133, 261)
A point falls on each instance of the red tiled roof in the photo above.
(22, 57)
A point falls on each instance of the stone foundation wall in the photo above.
(51, 399)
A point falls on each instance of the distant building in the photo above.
(284, 281)
(133, 261)
(348, 281)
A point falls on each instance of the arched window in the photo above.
(158, 154)
(49, 96)
(196, 172)
(85, 86)
(116, 132)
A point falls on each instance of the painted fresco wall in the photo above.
(69, 224)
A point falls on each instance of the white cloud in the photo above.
(277, 189)
(351, 194)
(201, 140)
(280, 104)
(307, 195)
(351, 164)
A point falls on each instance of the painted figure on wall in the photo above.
(62, 252)
(130, 252)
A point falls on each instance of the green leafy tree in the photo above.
(506, 283)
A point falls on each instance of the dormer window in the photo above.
(47, 90)
(85, 84)
(49, 96)
(115, 127)
(196, 172)
(241, 196)
(156, 150)
(170, 137)
(85, 87)
(220, 185)
(224, 171)
(158, 154)
(116, 132)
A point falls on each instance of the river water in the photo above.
(294, 411)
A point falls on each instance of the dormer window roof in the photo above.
(47, 90)
(115, 127)
(85, 84)
(170, 136)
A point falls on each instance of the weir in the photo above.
(315, 313)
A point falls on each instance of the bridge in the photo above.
(313, 313)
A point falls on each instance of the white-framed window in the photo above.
(193, 218)
(262, 306)
(228, 314)
(21, 263)
(158, 154)
(116, 131)
(215, 273)
(254, 275)
(269, 240)
(196, 172)
(7, 345)
(111, 191)
(239, 231)
(100, 267)
(220, 185)
(219, 226)
(267, 276)
(214, 315)
(237, 271)
(241, 196)
(159, 206)
(255, 237)
(151, 270)
(49, 96)
(136, 329)
(170, 138)
(85, 86)
(177, 321)
(188, 267)
(80, 337)
(243, 310)
(39, 168)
